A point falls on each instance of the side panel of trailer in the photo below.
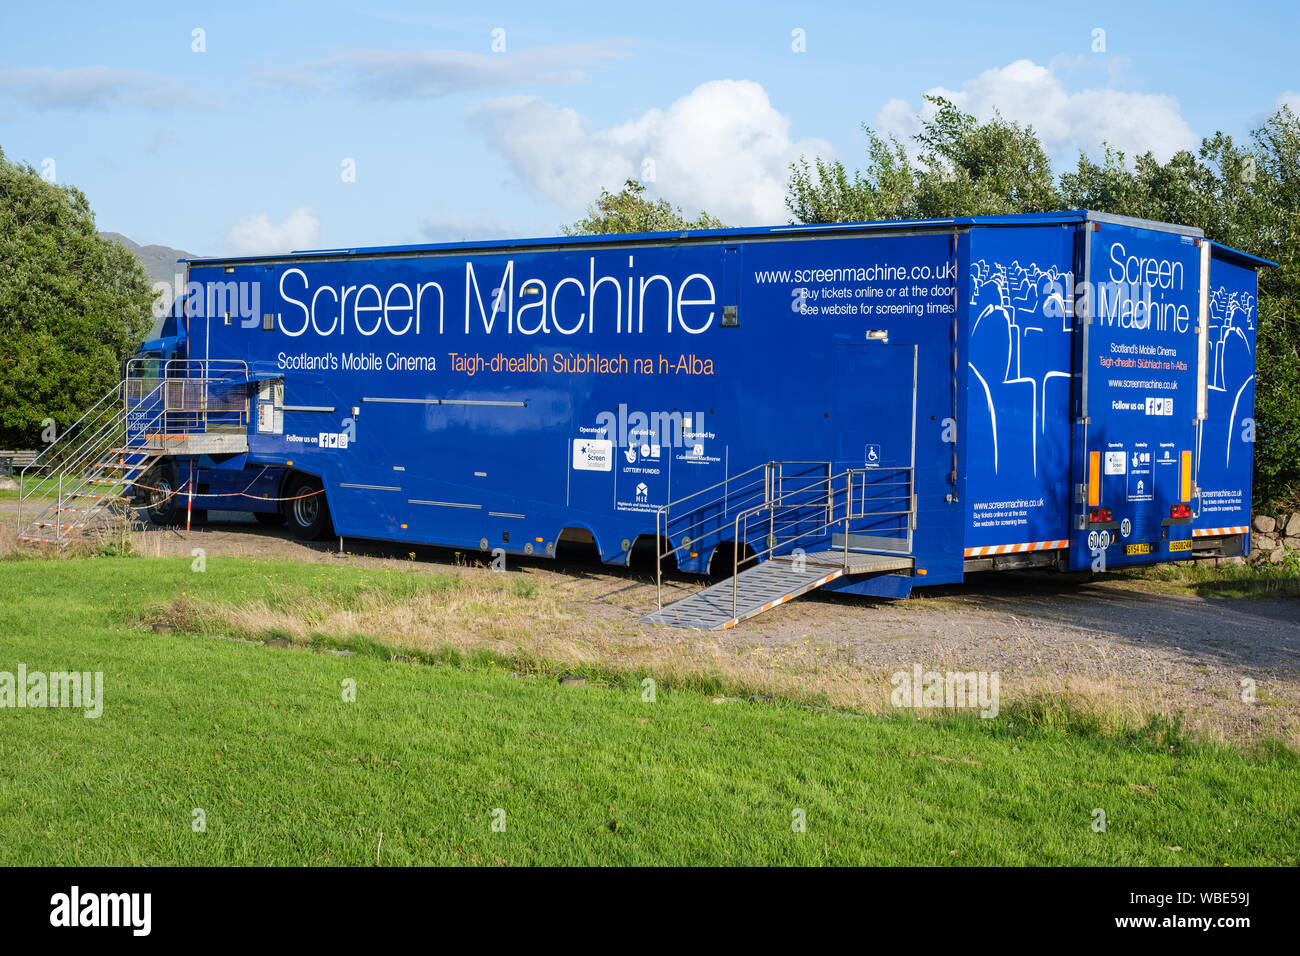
(1017, 373)
(1224, 451)
(496, 399)
(871, 320)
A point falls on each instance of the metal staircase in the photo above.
(90, 479)
(797, 525)
(88, 471)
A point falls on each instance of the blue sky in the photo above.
(244, 147)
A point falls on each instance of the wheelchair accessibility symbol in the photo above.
(872, 456)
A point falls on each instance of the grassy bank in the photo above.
(1201, 578)
(285, 770)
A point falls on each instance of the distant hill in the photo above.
(159, 261)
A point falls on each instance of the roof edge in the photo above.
(699, 235)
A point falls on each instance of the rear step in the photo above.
(770, 584)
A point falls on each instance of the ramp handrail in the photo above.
(738, 491)
(664, 519)
(829, 497)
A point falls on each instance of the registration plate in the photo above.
(1142, 548)
(1180, 545)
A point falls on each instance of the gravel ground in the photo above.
(1114, 640)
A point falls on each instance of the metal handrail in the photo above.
(224, 368)
(830, 496)
(188, 402)
(180, 395)
(107, 493)
(724, 481)
(663, 516)
(111, 393)
(773, 478)
(95, 475)
(73, 449)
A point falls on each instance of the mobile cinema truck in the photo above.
(863, 407)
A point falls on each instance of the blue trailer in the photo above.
(864, 407)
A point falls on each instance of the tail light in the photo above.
(1097, 515)
(1180, 511)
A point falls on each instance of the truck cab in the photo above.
(150, 361)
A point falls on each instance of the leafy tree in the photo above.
(1277, 397)
(72, 305)
(1244, 196)
(982, 169)
(824, 192)
(963, 168)
(630, 211)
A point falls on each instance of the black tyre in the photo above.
(162, 505)
(269, 518)
(724, 560)
(306, 511)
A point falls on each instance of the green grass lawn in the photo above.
(288, 772)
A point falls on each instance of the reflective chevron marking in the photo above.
(1015, 548)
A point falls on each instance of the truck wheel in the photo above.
(269, 518)
(307, 512)
(162, 506)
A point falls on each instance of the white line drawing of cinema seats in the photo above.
(1012, 298)
(1228, 353)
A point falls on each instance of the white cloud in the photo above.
(1290, 98)
(722, 147)
(1068, 122)
(257, 235)
(388, 75)
(96, 87)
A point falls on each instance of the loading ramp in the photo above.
(802, 523)
(768, 585)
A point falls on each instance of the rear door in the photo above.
(1135, 400)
